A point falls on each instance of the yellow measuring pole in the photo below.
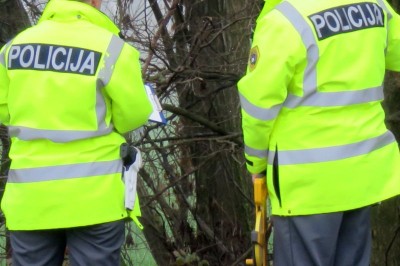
(259, 234)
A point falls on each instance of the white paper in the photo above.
(157, 115)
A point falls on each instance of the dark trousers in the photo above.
(333, 239)
(88, 245)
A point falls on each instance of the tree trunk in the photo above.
(200, 205)
(223, 189)
(386, 233)
(386, 216)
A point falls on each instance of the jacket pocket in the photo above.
(275, 176)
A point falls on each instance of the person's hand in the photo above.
(254, 176)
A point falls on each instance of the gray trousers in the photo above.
(333, 239)
(95, 245)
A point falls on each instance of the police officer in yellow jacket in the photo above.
(69, 88)
(313, 124)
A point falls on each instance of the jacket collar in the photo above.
(65, 10)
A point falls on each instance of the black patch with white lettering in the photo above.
(53, 58)
(347, 18)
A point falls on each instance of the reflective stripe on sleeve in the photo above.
(50, 173)
(326, 154)
(259, 112)
(262, 154)
(111, 56)
(311, 96)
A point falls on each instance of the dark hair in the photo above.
(83, 1)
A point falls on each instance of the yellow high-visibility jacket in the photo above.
(311, 105)
(69, 88)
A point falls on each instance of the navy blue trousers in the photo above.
(95, 245)
(332, 239)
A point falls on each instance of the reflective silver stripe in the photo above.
(40, 174)
(389, 14)
(384, 7)
(104, 76)
(3, 58)
(306, 33)
(259, 112)
(311, 96)
(111, 56)
(327, 154)
(340, 98)
(3, 54)
(25, 133)
(263, 154)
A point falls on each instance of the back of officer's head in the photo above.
(94, 3)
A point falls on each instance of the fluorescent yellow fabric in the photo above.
(268, 6)
(51, 101)
(352, 61)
